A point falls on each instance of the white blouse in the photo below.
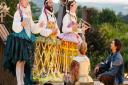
(68, 18)
(45, 31)
(27, 16)
(84, 68)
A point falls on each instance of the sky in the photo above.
(116, 5)
(102, 1)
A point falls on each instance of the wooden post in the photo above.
(61, 13)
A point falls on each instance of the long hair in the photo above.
(74, 71)
(69, 4)
(83, 48)
(45, 2)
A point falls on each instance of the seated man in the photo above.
(114, 66)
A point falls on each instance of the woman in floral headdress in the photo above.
(70, 27)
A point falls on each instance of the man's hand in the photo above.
(96, 69)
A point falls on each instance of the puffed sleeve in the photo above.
(44, 30)
(16, 27)
(66, 21)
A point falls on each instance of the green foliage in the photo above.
(96, 41)
(122, 17)
(96, 47)
(79, 9)
(125, 56)
(93, 16)
(107, 16)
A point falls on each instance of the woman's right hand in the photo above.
(74, 27)
(23, 23)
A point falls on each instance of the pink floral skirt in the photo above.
(71, 37)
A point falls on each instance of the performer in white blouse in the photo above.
(70, 27)
(48, 20)
(47, 41)
(84, 64)
(25, 14)
(19, 45)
